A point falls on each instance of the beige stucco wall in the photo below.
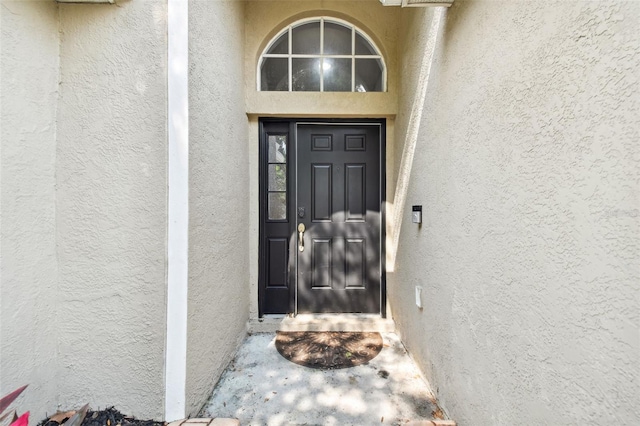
(111, 205)
(29, 302)
(527, 166)
(84, 214)
(219, 194)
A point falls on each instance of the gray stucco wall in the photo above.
(28, 289)
(219, 194)
(111, 205)
(526, 164)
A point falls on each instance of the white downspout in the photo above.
(178, 209)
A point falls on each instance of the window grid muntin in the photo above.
(322, 54)
(290, 56)
(353, 60)
(290, 76)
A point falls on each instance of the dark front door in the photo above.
(327, 177)
(338, 199)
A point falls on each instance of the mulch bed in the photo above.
(328, 350)
(108, 417)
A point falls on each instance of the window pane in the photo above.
(306, 39)
(277, 177)
(337, 39)
(363, 47)
(337, 75)
(306, 74)
(277, 149)
(274, 74)
(281, 45)
(368, 75)
(311, 70)
(277, 206)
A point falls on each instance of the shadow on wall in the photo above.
(411, 136)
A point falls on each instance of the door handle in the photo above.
(301, 229)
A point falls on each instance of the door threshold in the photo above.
(323, 322)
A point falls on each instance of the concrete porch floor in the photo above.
(260, 387)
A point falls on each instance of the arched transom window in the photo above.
(321, 55)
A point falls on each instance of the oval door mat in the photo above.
(328, 349)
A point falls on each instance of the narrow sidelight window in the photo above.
(277, 177)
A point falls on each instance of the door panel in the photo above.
(278, 255)
(355, 192)
(356, 249)
(338, 183)
(321, 192)
(322, 263)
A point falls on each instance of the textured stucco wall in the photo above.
(218, 194)
(29, 49)
(111, 205)
(527, 167)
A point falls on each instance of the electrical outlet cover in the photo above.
(419, 297)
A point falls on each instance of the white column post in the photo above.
(178, 209)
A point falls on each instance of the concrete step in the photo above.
(321, 322)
